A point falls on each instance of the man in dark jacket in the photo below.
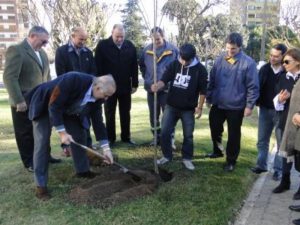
(68, 102)
(75, 56)
(232, 91)
(188, 79)
(118, 57)
(267, 119)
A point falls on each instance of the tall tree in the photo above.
(133, 23)
(207, 33)
(60, 16)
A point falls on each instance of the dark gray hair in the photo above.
(38, 30)
(106, 83)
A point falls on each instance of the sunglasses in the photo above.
(287, 61)
(44, 42)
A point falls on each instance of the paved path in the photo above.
(262, 207)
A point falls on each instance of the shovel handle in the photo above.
(88, 149)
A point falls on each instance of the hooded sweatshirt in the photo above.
(186, 83)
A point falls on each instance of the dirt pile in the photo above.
(113, 187)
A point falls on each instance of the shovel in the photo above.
(123, 168)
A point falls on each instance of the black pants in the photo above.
(124, 102)
(24, 136)
(234, 120)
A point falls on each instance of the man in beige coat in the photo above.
(26, 66)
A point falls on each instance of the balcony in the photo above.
(8, 21)
(8, 11)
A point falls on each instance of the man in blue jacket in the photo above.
(232, 91)
(165, 54)
(66, 103)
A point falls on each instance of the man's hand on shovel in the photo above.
(107, 155)
(65, 138)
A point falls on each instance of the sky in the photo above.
(148, 7)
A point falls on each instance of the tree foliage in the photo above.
(133, 23)
(62, 15)
(207, 33)
(275, 35)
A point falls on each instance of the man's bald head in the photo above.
(79, 37)
(118, 34)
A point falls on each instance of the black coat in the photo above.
(66, 60)
(121, 63)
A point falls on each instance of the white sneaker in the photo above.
(162, 161)
(188, 164)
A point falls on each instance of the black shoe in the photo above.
(276, 176)
(89, 175)
(296, 222)
(284, 185)
(130, 142)
(295, 208)
(214, 155)
(228, 167)
(258, 170)
(54, 160)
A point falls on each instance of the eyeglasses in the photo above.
(287, 61)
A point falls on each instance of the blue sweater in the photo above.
(233, 86)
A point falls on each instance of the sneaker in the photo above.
(188, 164)
(162, 161)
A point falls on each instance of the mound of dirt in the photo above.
(112, 187)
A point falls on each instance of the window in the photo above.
(251, 7)
(13, 35)
(251, 15)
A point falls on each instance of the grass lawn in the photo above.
(207, 196)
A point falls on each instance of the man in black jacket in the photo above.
(268, 77)
(118, 57)
(75, 56)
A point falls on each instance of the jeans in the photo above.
(170, 117)
(267, 120)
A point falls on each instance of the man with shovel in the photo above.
(66, 103)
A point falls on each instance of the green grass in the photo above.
(207, 196)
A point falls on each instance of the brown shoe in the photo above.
(42, 193)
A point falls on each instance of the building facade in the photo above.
(256, 12)
(14, 25)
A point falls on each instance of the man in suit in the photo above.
(118, 57)
(68, 102)
(75, 56)
(26, 66)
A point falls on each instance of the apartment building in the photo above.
(255, 12)
(14, 25)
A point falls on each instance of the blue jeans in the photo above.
(170, 117)
(267, 120)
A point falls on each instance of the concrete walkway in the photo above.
(262, 207)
